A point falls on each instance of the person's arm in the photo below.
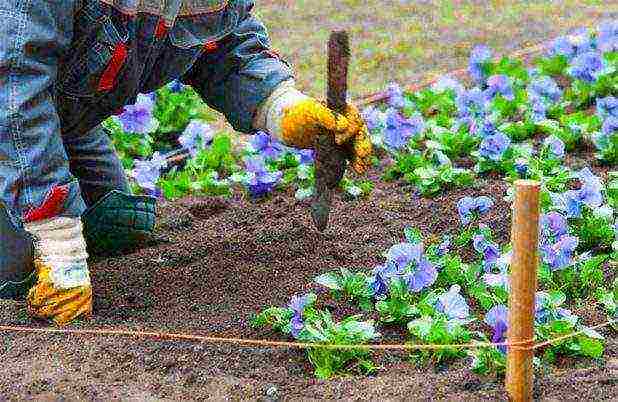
(248, 82)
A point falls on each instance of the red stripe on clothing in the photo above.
(51, 207)
(111, 72)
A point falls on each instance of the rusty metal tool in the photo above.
(330, 159)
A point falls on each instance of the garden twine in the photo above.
(521, 345)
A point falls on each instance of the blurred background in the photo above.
(402, 40)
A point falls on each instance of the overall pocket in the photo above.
(99, 55)
(198, 28)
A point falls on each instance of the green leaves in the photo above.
(348, 286)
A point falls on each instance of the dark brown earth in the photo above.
(216, 262)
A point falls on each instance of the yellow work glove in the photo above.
(297, 120)
(62, 291)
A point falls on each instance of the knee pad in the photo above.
(118, 221)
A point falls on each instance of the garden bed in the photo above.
(214, 263)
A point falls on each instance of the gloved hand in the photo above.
(297, 119)
(62, 291)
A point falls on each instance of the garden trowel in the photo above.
(330, 159)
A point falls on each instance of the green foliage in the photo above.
(348, 286)
(438, 330)
(398, 306)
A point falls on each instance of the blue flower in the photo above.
(544, 88)
(553, 225)
(607, 107)
(499, 85)
(610, 126)
(521, 166)
(147, 172)
(538, 110)
(444, 247)
(547, 309)
(400, 130)
(176, 86)
(587, 67)
(261, 180)
(298, 305)
(572, 45)
(418, 273)
(559, 255)
(497, 319)
(396, 98)
(468, 207)
(494, 146)
(555, 146)
(196, 135)
(479, 57)
(472, 103)
(489, 250)
(453, 304)
(373, 117)
(266, 145)
(447, 83)
(138, 118)
(607, 40)
(382, 275)
(305, 156)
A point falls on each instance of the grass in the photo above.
(399, 39)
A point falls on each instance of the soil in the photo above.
(213, 263)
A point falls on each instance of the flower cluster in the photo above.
(556, 245)
(499, 85)
(406, 262)
(607, 39)
(453, 304)
(196, 135)
(576, 43)
(543, 92)
(147, 172)
(479, 57)
(399, 129)
(260, 180)
(554, 146)
(587, 66)
(489, 250)
(469, 207)
(589, 194)
(138, 118)
(298, 305)
(267, 146)
(494, 146)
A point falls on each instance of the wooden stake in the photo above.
(523, 283)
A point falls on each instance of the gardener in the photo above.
(67, 65)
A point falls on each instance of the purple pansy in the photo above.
(373, 117)
(607, 107)
(298, 305)
(468, 207)
(305, 156)
(589, 194)
(479, 57)
(138, 118)
(553, 224)
(544, 87)
(382, 275)
(266, 145)
(499, 85)
(489, 250)
(418, 272)
(453, 304)
(607, 40)
(472, 103)
(494, 146)
(395, 95)
(555, 146)
(196, 135)
(521, 166)
(559, 255)
(497, 319)
(572, 45)
(587, 67)
(261, 180)
(399, 130)
(147, 172)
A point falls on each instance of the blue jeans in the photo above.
(67, 65)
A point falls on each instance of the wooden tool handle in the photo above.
(338, 60)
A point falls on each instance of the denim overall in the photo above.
(67, 65)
